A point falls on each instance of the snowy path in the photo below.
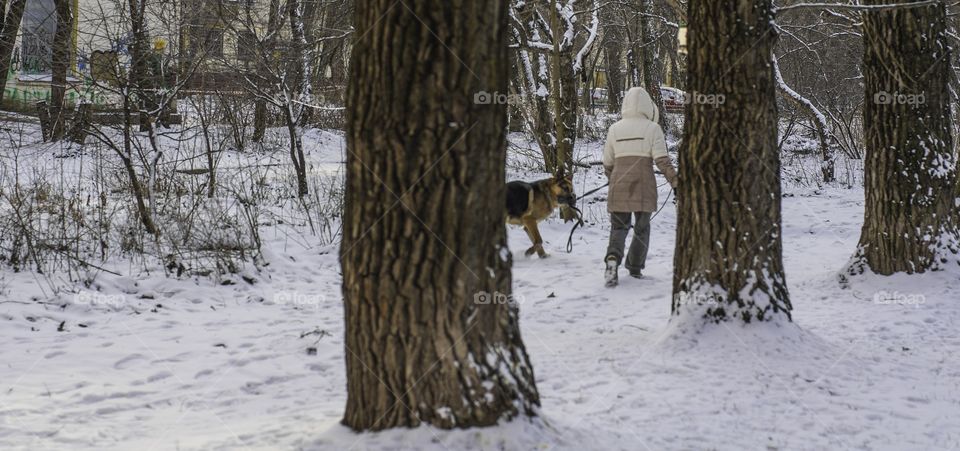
(189, 365)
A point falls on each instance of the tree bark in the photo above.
(910, 165)
(728, 261)
(300, 93)
(652, 66)
(564, 92)
(612, 45)
(612, 58)
(535, 77)
(8, 38)
(261, 112)
(60, 67)
(140, 82)
(424, 233)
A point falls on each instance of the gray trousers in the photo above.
(619, 227)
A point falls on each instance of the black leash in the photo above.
(664, 204)
(579, 214)
(588, 193)
(574, 229)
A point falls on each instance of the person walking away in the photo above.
(634, 144)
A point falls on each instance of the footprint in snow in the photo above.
(128, 361)
(159, 376)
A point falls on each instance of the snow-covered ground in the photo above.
(155, 363)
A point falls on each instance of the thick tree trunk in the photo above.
(910, 166)
(728, 260)
(60, 67)
(8, 38)
(424, 235)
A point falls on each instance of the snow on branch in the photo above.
(848, 6)
(594, 26)
(783, 86)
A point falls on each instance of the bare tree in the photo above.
(300, 98)
(12, 17)
(265, 57)
(60, 67)
(552, 44)
(828, 164)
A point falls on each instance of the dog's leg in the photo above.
(530, 224)
(533, 240)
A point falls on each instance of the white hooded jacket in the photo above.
(633, 145)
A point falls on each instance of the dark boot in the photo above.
(610, 273)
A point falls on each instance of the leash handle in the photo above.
(574, 229)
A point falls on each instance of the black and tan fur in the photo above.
(528, 203)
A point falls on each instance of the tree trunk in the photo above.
(614, 53)
(8, 38)
(139, 71)
(728, 261)
(424, 246)
(296, 151)
(60, 67)
(136, 187)
(670, 41)
(534, 75)
(910, 166)
(564, 93)
(302, 84)
(301, 93)
(260, 114)
(612, 45)
(652, 66)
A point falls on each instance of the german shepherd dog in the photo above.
(530, 203)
